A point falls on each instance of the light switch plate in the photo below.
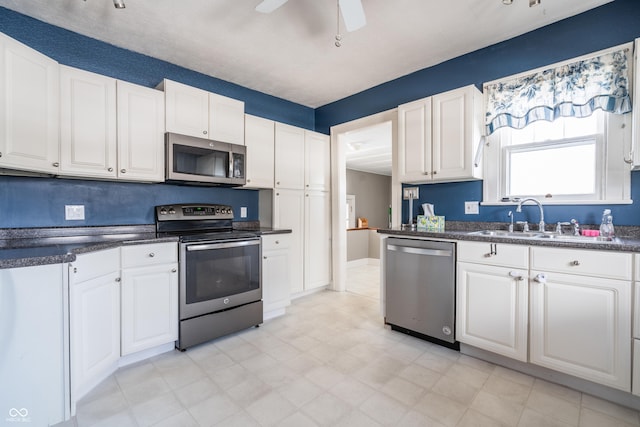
(471, 208)
(74, 212)
(243, 212)
(414, 192)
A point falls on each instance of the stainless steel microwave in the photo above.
(202, 161)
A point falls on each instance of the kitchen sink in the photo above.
(543, 236)
(504, 233)
(585, 239)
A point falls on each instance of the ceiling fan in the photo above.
(351, 10)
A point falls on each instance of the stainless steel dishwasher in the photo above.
(420, 288)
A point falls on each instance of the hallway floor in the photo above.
(330, 361)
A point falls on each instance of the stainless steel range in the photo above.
(220, 271)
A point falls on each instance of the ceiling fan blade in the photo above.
(353, 14)
(268, 6)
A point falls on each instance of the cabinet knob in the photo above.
(0, 153)
(541, 278)
(264, 257)
(117, 279)
(277, 242)
(248, 180)
(204, 132)
(151, 255)
(56, 164)
(575, 263)
(75, 269)
(278, 183)
(123, 171)
(435, 172)
(110, 169)
(307, 185)
(173, 270)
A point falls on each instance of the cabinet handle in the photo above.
(575, 263)
(493, 250)
(110, 169)
(0, 153)
(307, 185)
(152, 255)
(75, 269)
(277, 194)
(435, 172)
(540, 278)
(264, 257)
(248, 180)
(123, 171)
(516, 275)
(277, 242)
(117, 279)
(278, 183)
(56, 164)
(204, 132)
(173, 270)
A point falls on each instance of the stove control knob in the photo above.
(228, 210)
(172, 211)
(163, 211)
(217, 210)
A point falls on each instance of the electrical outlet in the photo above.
(411, 192)
(74, 212)
(471, 208)
(243, 212)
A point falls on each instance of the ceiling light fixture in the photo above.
(119, 4)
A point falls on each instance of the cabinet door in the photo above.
(414, 141)
(276, 264)
(226, 119)
(317, 240)
(317, 161)
(186, 109)
(288, 212)
(29, 105)
(289, 157)
(582, 326)
(455, 133)
(493, 308)
(87, 124)
(140, 133)
(95, 331)
(149, 307)
(260, 142)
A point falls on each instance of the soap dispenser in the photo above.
(606, 226)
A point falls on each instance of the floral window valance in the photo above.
(569, 90)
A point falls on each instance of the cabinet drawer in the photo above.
(275, 241)
(614, 265)
(95, 264)
(149, 254)
(499, 254)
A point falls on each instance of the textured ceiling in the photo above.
(290, 53)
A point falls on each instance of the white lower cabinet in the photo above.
(580, 316)
(149, 303)
(492, 298)
(276, 284)
(94, 318)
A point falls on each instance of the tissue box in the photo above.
(431, 223)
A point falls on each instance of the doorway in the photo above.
(340, 139)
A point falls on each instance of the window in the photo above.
(561, 133)
(569, 160)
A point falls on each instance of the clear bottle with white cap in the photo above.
(606, 226)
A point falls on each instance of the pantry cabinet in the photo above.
(276, 283)
(288, 213)
(149, 303)
(94, 319)
(29, 109)
(438, 137)
(140, 124)
(260, 143)
(87, 124)
(581, 314)
(317, 239)
(492, 298)
(196, 112)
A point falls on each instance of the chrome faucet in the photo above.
(531, 199)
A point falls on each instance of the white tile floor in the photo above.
(331, 362)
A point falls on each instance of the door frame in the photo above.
(339, 188)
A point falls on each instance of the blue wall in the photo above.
(39, 202)
(609, 25)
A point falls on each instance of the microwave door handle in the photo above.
(230, 175)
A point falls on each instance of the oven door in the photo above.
(219, 275)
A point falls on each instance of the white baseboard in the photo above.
(145, 354)
(363, 261)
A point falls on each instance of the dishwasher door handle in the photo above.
(419, 251)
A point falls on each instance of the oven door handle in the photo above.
(210, 246)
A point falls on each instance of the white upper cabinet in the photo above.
(226, 119)
(289, 157)
(260, 142)
(317, 169)
(438, 137)
(196, 112)
(635, 152)
(29, 108)
(140, 113)
(87, 124)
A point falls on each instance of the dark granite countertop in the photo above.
(629, 242)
